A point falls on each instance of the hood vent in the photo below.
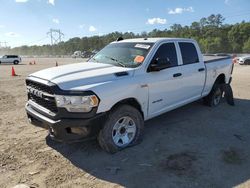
(119, 74)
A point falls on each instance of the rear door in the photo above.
(193, 71)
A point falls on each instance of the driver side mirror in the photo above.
(159, 64)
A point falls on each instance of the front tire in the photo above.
(15, 62)
(123, 128)
(215, 96)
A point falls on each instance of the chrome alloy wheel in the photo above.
(124, 131)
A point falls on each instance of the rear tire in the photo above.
(123, 128)
(215, 96)
(228, 93)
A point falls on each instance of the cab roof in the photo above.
(154, 40)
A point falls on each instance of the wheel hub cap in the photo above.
(124, 131)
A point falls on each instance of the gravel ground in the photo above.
(193, 146)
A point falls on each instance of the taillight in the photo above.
(234, 60)
(232, 67)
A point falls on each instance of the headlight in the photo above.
(77, 103)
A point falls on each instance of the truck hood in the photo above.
(80, 76)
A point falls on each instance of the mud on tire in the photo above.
(118, 119)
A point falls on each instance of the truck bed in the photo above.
(215, 66)
(212, 58)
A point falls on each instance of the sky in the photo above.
(26, 22)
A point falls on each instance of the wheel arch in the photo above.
(129, 101)
(221, 79)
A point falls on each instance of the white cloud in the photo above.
(153, 21)
(180, 10)
(55, 20)
(92, 28)
(52, 2)
(21, 1)
(12, 34)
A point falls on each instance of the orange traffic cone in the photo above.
(56, 64)
(13, 73)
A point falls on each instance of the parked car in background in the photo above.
(87, 54)
(244, 60)
(15, 59)
(84, 54)
(76, 54)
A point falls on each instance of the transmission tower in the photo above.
(3, 44)
(55, 36)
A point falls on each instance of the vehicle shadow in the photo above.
(193, 146)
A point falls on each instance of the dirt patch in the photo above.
(7, 101)
(179, 163)
(8, 162)
(232, 156)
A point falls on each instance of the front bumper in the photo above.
(66, 129)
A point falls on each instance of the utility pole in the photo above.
(55, 36)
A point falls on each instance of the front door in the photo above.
(165, 85)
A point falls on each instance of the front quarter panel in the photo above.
(111, 93)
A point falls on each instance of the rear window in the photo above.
(189, 53)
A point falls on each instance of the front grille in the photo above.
(43, 100)
(40, 87)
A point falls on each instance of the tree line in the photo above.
(211, 33)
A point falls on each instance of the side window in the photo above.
(189, 53)
(167, 51)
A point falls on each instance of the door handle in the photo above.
(201, 69)
(177, 74)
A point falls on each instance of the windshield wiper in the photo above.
(94, 60)
(117, 61)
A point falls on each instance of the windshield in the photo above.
(125, 54)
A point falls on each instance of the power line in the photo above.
(35, 41)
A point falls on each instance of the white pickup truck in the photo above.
(123, 85)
